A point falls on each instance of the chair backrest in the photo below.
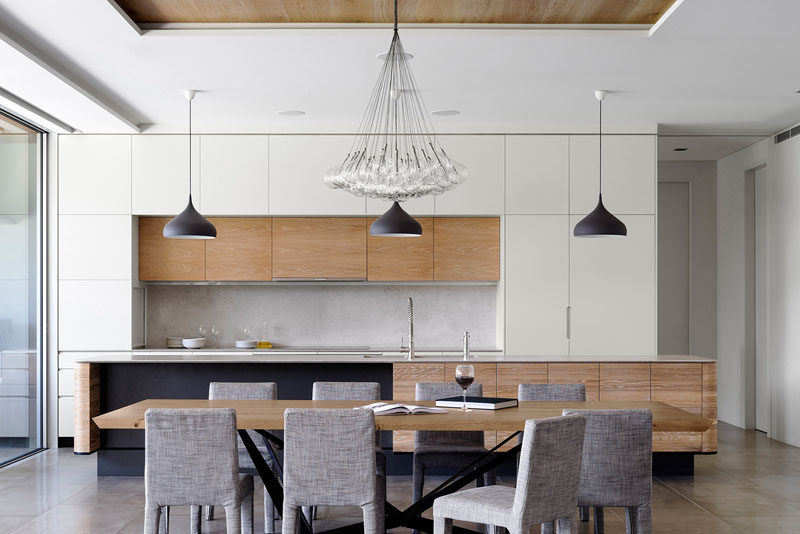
(617, 457)
(244, 391)
(190, 456)
(329, 457)
(346, 391)
(551, 392)
(429, 391)
(549, 469)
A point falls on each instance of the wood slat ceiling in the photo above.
(410, 11)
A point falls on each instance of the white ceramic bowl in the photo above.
(174, 342)
(194, 342)
(246, 344)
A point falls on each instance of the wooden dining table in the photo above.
(265, 415)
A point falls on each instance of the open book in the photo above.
(385, 408)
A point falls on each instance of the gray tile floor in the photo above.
(752, 485)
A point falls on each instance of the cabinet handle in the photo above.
(569, 322)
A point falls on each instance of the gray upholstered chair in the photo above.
(551, 392)
(329, 459)
(248, 391)
(547, 484)
(617, 465)
(445, 449)
(191, 459)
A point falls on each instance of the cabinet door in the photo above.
(629, 173)
(94, 315)
(94, 174)
(329, 247)
(297, 164)
(415, 206)
(80, 257)
(466, 248)
(576, 373)
(241, 251)
(234, 174)
(161, 174)
(162, 259)
(537, 284)
(612, 291)
(482, 192)
(537, 174)
(401, 259)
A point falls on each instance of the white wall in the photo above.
(702, 179)
(733, 369)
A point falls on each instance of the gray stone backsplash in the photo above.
(321, 315)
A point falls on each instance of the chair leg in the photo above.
(233, 518)
(584, 511)
(163, 525)
(209, 513)
(289, 519)
(247, 513)
(152, 519)
(599, 520)
(567, 525)
(269, 514)
(373, 518)
(547, 528)
(639, 520)
(196, 524)
(442, 525)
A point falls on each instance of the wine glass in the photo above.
(465, 376)
(202, 330)
(215, 332)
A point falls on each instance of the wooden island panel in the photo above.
(509, 377)
(710, 405)
(87, 406)
(678, 384)
(624, 381)
(573, 373)
(404, 381)
(486, 375)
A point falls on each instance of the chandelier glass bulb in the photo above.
(395, 155)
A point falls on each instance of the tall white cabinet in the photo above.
(568, 295)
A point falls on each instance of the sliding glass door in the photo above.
(21, 182)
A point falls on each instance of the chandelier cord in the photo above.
(395, 16)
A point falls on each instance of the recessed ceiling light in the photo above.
(404, 55)
(291, 113)
(681, 149)
(445, 112)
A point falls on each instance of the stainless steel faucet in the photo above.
(466, 346)
(410, 328)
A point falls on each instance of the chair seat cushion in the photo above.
(245, 462)
(490, 505)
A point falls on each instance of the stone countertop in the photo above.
(328, 355)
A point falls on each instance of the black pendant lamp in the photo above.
(396, 223)
(189, 224)
(600, 222)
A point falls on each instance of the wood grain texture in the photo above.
(409, 11)
(466, 248)
(319, 247)
(162, 259)
(404, 380)
(573, 373)
(242, 250)
(677, 441)
(509, 377)
(401, 259)
(625, 381)
(710, 406)
(86, 406)
(678, 384)
(252, 414)
(486, 375)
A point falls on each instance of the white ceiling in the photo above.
(713, 67)
(701, 147)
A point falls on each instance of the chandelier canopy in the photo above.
(395, 155)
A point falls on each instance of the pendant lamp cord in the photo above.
(190, 149)
(395, 16)
(601, 149)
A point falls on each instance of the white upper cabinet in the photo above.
(483, 191)
(94, 174)
(537, 174)
(415, 206)
(94, 247)
(629, 173)
(297, 164)
(613, 291)
(94, 315)
(537, 283)
(234, 174)
(161, 174)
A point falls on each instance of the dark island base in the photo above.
(121, 452)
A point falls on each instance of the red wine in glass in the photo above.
(465, 376)
(465, 381)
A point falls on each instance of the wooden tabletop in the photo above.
(252, 414)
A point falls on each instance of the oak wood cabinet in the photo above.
(401, 259)
(573, 373)
(242, 250)
(316, 247)
(466, 248)
(162, 259)
(404, 379)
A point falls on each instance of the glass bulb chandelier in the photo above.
(395, 155)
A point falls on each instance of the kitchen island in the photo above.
(105, 381)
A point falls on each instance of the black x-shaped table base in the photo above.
(411, 517)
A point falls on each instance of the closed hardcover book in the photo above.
(477, 403)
